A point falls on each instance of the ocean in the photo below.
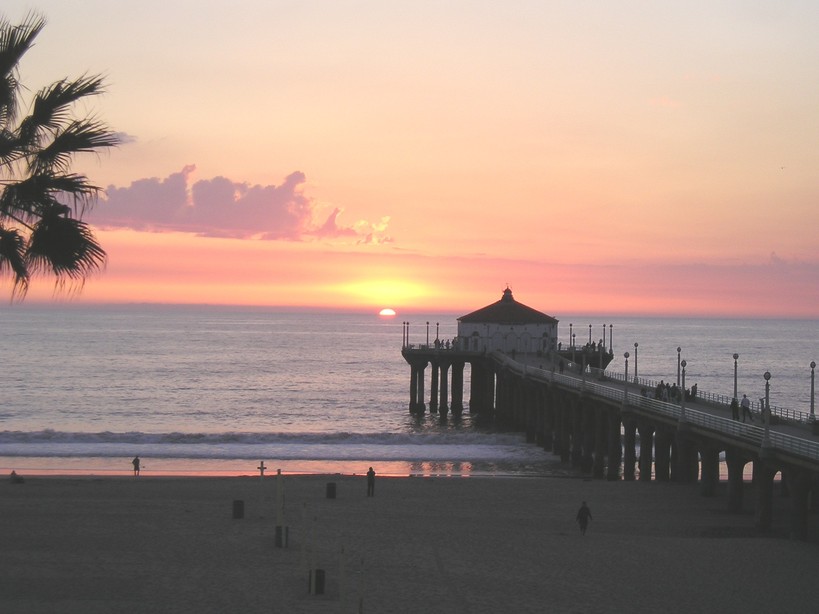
(205, 390)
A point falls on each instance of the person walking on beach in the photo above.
(135, 463)
(746, 408)
(371, 483)
(583, 517)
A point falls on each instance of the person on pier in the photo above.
(746, 408)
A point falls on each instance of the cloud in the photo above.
(220, 207)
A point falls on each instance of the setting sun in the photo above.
(387, 312)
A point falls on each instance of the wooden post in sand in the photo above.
(281, 530)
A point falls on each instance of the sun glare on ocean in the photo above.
(387, 312)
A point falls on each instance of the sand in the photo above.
(421, 545)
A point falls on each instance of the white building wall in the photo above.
(523, 338)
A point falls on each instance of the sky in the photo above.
(613, 158)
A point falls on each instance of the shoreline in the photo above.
(170, 544)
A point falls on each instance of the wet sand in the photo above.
(449, 545)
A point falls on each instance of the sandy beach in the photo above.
(450, 545)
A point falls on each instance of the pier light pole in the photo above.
(611, 345)
(436, 331)
(736, 356)
(571, 336)
(636, 381)
(766, 416)
(427, 334)
(589, 334)
(679, 349)
(682, 393)
(812, 367)
(625, 381)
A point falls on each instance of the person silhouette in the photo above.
(746, 408)
(135, 463)
(583, 517)
(371, 483)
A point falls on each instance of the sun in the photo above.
(387, 312)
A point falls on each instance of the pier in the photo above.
(606, 426)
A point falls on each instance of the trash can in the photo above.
(238, 508)
(331, 490)
(316, 582)
(282, 536)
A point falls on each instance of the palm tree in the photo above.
(41, 201)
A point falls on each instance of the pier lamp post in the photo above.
(679, 349)
(682, 393)
(427, 334)
(625, 380)
(812, 367)
(571, 336)
(611, 345)
(766, 415)
(736, 356)
(590, 334)
(636, 381)
(436, 331)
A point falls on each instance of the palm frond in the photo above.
(25, 200)
(64, 247)
(81, 136)
(9, 148)
(52, 105)
(15, 41)
(12, 260)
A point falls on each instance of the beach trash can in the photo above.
(238, 509)
(282, 536)
(316, 582)
(331, 490)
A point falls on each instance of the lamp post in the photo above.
(636, 381)
(766, 416)
(682, 393)
(590, 334)
(427, 334)
(679, 349)
(571, 336)
(611, 345)
(812, 367)
(436, 331)
(625, 380)
(736, 356)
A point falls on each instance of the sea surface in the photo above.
(216, 390)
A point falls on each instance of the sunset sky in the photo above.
(597, 157)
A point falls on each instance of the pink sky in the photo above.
(602, 158)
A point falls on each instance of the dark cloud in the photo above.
(220, 207)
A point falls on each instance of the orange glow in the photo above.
(432, 169)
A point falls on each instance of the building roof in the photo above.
(507, 311)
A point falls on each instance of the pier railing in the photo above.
(721, 400)
(748, 432)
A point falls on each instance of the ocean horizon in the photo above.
(214, 390)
